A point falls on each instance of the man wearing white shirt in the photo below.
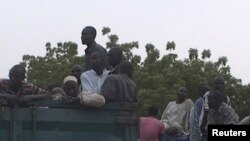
(93, 79)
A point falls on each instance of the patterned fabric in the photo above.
(25, 88)
(224, 115)
(91, 82)
(206, 108)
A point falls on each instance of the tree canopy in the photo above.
(158, 78)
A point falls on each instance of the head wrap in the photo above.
(69, 78)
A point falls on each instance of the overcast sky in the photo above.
(223, 26)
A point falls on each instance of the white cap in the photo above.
(69, 78)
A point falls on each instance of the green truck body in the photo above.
(54, 121)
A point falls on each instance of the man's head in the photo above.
(71, 86)
(215, 99)
(203, 88)
(76, 71)
(88, 35)
(97, 61)
(57, 90)
(153, 111)
(115, 56)
(127, 68)
(182, 95)
(17, 75)
(53, 85)
(219, 83)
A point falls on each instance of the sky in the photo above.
(223, 26)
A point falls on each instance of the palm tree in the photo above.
(193, 54)
(222, 61)
(206, 53)
(170, 46)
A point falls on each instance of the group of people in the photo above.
(105, 77)
(183, 120)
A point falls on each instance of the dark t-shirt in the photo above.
(119, 88)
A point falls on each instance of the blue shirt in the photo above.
(195, 133)
(91, 82)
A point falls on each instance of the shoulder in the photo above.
(206, 94)
(226, 107)
(27, 84)
(189, 101)
(199, 102)
(113, 77)
(87, 73)
(98, 47)
(106, 72)
(171, 103)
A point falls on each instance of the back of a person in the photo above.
(150, 129)
(126, 88)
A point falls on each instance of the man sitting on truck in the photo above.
(120, 87)
(116, 88)
(71, 89)
(16, 90)
(93, 79)
(76, 71)
(115, 57)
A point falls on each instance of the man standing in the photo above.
(194, 130)
(88, 38)
(219, 85)
(177, 113)
(219, 112)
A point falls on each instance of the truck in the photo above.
(50, 120)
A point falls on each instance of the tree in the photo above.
(206, 54)
(127, 48)
(54, 66)
(193, 54)
(170, 46)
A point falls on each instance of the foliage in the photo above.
(54, 66)
(157, 78)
